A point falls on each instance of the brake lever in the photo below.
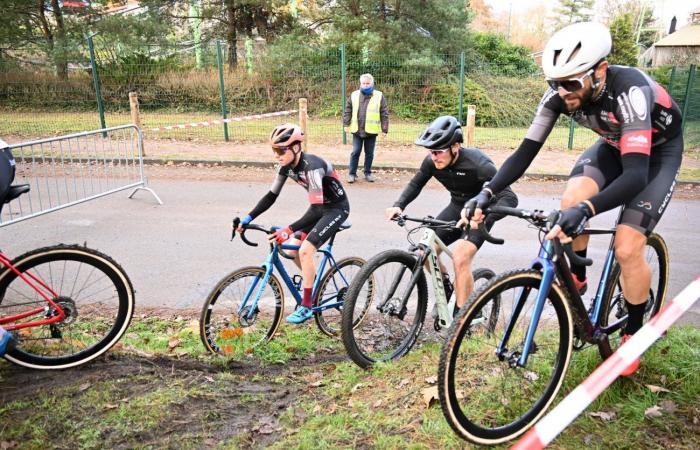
(236, 222)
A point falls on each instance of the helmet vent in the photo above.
(573, 54)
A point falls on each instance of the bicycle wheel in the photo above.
(332, 290)
(376, 326)
(228, 323)
(93, 291)
(485, 396)
(613, 307)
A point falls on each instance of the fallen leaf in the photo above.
(356, 387)
(656, 389)
(211, 443)
(84, 387)
(430, 396)
(111, 406)
(318, 383)
(531, 376)
(6, 445)
(654, 411)
(209, 379)
(403, 383)
(431, 380)
(173, 342)
(668, 406)
(317, 409)
(411, 427)
(605, 416)
(377, 404)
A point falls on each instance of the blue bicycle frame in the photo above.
(551, 263)
(273, 262)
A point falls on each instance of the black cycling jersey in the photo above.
(632, 114)
(463, 179)
(315, 175)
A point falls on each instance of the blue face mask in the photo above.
(367, 91)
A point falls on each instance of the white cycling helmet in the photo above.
(575, 49)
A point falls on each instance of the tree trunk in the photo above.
(61, 51)
(231, 35)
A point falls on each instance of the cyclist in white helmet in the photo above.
(634, 163)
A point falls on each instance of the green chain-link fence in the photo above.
(187, 83)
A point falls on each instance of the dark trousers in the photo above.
(369, 141)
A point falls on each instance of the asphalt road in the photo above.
(176, 252)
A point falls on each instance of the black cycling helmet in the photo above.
(441, 133)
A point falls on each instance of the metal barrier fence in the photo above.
(72, 169)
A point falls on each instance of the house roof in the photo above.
(688, 36)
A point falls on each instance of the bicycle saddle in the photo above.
(15, 191)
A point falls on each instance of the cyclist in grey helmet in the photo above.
(463, 172)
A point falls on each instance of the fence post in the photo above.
(688, 90)
(303, 115)
(471, 122)
(343, 88)
(572, 126)
(96, 82)
(670, 82)
(222, 94)
(136, 114)
(461, 87)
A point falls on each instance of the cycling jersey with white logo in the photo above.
(315, 175)
(633, 113)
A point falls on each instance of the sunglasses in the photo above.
(570, 85)
(280, 150)
(438, 152)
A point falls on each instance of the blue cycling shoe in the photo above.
(5, 340)
(301, 314)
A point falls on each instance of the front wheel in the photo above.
(486, 396)
(241, 312)
(332, 291)
(613, 311)
(93, 291)
(384, 309)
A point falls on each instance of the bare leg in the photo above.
(635, 272)
(308, 265)
(462, 256)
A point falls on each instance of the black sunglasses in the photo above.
(570, 85)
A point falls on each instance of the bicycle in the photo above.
(250, 301)
(395, 280)
(495, 384)
(65, 304)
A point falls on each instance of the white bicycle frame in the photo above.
(444, 308)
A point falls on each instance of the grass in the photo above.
(166, 401)
(328, 130)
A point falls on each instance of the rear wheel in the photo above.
(377, 324)
(91, 289)
(613, 310)
(231, 321)
(486, 396)
(333, 289)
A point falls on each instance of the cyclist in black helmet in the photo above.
(7, 174)
(464, 172)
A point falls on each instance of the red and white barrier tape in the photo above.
(220, 121)
(560, 417)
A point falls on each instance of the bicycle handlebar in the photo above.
(401, 219)
(252, 226)
(538, 218)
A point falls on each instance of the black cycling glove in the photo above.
(481, 201)
(573, 220)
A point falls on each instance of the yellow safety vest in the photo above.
(372, 119)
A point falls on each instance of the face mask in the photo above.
(367, 91)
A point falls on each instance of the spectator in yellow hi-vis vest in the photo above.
(365, 116)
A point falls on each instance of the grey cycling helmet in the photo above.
(441, 133)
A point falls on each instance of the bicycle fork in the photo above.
(546, 265)
(389, 305)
